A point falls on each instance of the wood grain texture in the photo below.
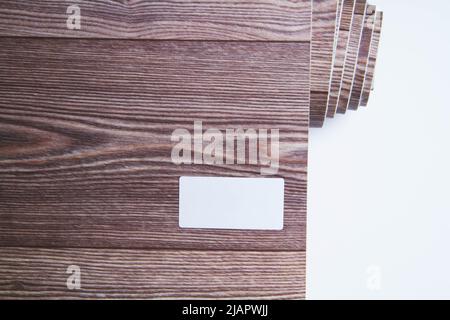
(348, 8)
(336, 31)
(335, 47)
(278, 20)
(352, 55)
(363, 57)
(323, 32)
(368, 80)
(140, 274)
(86, 118)
(85, 129)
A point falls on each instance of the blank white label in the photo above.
(231, 203)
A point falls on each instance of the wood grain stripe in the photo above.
(363, 57)
(338, 22)
(348, 8)
(323, 34)
(368, 80)
(140, 274)
(85, 137)
(336, 31)
(86, 117)
(267, 20)
(352, 55)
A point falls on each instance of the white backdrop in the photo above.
(379, 178)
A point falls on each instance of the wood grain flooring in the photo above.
(148, 274)
(322, 49)
(86, 118)
(348, 8)
(86, 137)
(351, 57)
(266, 20)
(363, 57)
(368, 80)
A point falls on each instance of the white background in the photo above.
(379, 194)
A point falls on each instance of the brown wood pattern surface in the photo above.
(267, 20)
(363, 57)
(336, 31)
(335, 47)
(323, 32)
(151, 274)
(85, 137)
(85, 123)
(351, 57)
(341, 49)
(368, 80)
